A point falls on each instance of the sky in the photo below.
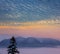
(30, 18)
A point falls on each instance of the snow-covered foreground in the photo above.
(34, 51)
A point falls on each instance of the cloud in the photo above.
(31, 10)
(41, 22)
(16, 15)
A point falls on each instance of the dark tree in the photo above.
(12, 49)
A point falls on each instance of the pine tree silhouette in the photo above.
(12, 49)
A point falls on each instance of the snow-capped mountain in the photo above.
(32, 42)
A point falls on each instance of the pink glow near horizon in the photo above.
(43, 31)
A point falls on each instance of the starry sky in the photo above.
(36, 18)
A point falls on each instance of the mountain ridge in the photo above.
(31, 42)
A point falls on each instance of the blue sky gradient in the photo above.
(29, 10)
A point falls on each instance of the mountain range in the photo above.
(31, 42)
